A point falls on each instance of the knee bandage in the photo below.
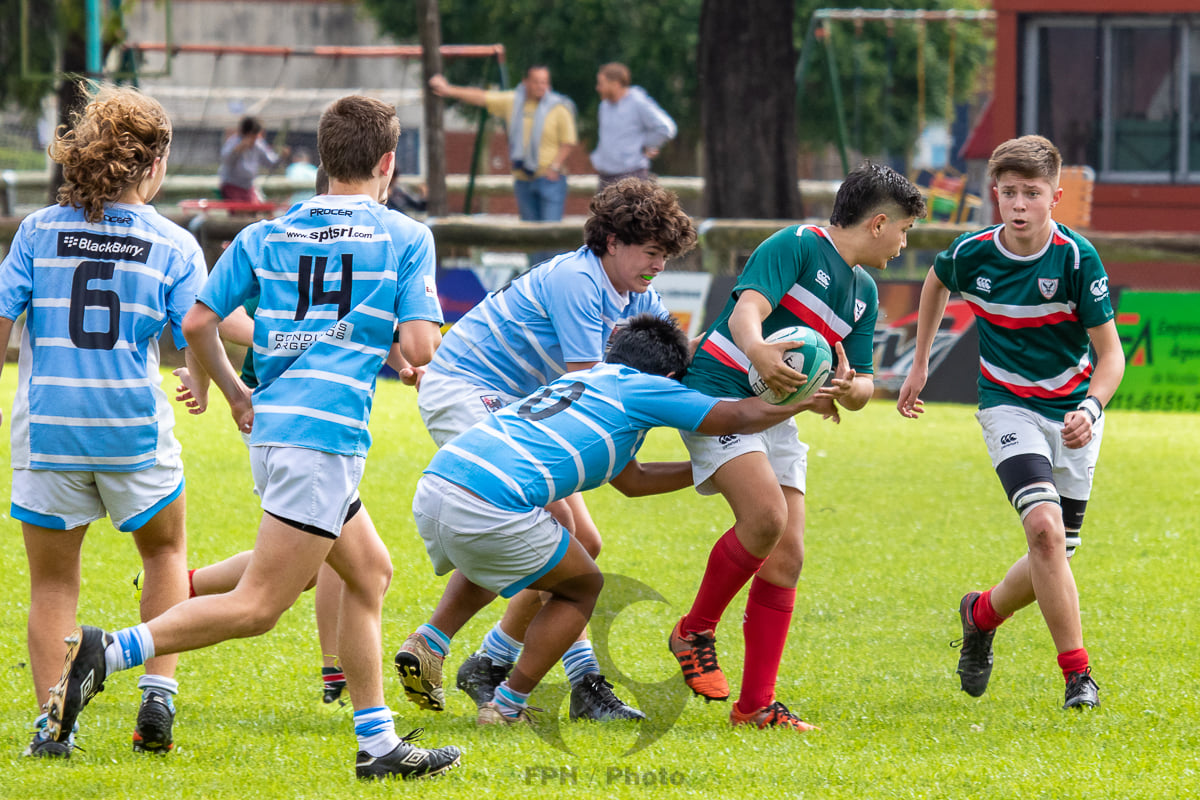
(1031, 495)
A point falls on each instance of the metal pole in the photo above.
(94, 18)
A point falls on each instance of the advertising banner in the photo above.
(1160, 332)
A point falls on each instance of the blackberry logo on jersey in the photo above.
(82, 244)
(1099, 288)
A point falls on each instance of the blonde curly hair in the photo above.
(110, 147)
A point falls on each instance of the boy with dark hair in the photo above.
(802, 275)
(1040, 298)
(333, 278)
(481, 504)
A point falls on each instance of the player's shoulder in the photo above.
(1073, 240)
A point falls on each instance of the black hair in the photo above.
(249, 125)
(871, 189)
(651, 344)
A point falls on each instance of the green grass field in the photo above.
(903, 517)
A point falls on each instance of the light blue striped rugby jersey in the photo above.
(333, 277)
(575, 434)
(96, 297)
(522, 336)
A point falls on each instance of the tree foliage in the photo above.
(877, 66)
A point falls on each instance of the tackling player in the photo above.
(553, 319)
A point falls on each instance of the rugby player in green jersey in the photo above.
(1040, 298)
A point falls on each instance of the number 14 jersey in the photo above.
(96, 296)
(333, 277)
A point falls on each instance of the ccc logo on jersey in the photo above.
(1008, 439)
(1099, 288)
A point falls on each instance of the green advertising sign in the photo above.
(1160, 332)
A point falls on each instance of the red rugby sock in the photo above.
(1073, 661)
(765, 627)
(986, 618)
(729, 567)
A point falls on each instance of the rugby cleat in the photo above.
(407, 761)
(775, 715)
(155, 721)
(593, 698)
(975, 660)
(82, 679)
(420, 670)
(697, 657)
(479, 676)
(1082, 691)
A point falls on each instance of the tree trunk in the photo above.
(746, 66)
(429, 23)
(72, 96)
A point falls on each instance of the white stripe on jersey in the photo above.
(1051, 384)
(726, 346)
(58, 341)
(121, 266)
(87, 422)
(134, 308)
(512, 444)
(301, 411)
(819, 307)
(94, 383)
(123, 231)
(1019, 312)
(470, 457)
(330, 377)
(605, 437)
(95, 461)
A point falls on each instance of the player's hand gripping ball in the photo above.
(811, 356)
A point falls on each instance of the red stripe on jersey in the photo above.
(716, 352)
(1013, 323)
(809, 317)
(1037, 391)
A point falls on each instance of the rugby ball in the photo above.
(811, 355)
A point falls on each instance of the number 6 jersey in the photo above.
(333, 277)
(96, 295)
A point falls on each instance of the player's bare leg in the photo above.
(54, 577)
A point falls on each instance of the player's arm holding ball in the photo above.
(847, 387)
(745, 323)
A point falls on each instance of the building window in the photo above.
(1118, 93)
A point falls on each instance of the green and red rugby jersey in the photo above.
(808, 283)
(1033, 314)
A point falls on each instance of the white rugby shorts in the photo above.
(780, 443)
(502, 551)
(310, 487)
(66, 500)
(1011, 431)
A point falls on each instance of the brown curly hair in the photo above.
(110, 146)
(637, 211)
